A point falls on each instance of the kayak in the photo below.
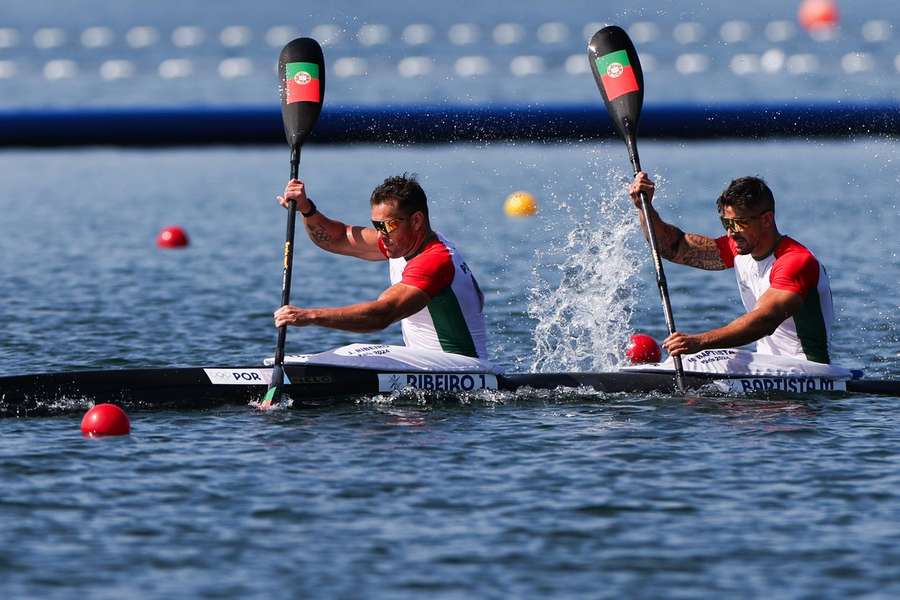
(361, 370)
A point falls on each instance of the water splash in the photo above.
(586, 286)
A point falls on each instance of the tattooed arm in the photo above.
(328, 234)
(689, 249)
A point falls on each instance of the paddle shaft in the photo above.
(288, 270)
(631, 143)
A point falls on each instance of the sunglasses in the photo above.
(739, 224)
(387, 226)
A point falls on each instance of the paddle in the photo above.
(301, 67)
(617, 71)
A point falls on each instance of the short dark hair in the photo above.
(749, 193)
(405, 190)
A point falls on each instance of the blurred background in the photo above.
(171, 53)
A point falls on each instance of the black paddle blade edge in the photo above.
(617, 71)
(301, 69)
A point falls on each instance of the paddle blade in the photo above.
(274, 393)
(617, 71)
(301, 67)
(271, 398)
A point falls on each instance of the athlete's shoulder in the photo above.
(795, 268)
(791, 253)
(431, 269)
(790, 247)
(435, 252)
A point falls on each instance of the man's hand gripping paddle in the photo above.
(301, 67)
(617, 71)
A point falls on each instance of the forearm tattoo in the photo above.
(701, 252)
(319, 235)
(671, 243)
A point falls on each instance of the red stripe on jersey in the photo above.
(727, 250)
(795, 269)
(431, 270)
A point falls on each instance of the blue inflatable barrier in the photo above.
(437, 124)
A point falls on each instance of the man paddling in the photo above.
(433, 293)
(782, 285)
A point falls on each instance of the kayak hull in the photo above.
(208, 387)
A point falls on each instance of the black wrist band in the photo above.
(311, 212)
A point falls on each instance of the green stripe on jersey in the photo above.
(811, 329)
(450, 324)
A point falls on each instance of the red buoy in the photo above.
(643, 349)
(105, 419)
(818, 14)
(172, 237)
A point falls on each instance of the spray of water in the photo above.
(586, 285)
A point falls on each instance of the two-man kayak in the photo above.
(361, 370)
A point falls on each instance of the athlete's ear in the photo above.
(418, 220)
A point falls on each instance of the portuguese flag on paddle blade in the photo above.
(302, 81)
(617, 74)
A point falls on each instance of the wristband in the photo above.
(311, 212)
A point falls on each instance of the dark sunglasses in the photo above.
(387, 226)
(739, 224)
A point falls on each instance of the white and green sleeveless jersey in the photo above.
(453, 319)
(792, 267)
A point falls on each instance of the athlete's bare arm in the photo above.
(329, 234)
(691, 249)
(397, 302)
(772, 308)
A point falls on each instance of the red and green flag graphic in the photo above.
(302, 81)
(617, 74)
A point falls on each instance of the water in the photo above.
(556, 493)
(559, 493)
(605, 499)
(586, 292)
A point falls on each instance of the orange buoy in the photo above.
(818, 14)
(172, 237)
(105, 419)
(643, 349)
(520, 204)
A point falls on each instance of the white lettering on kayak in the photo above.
(241, 376)
(437, 382)
(792, 385)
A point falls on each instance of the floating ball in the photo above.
(172, 237)
(643, 349)
(818, 14)
(105, 419)
(520, 204)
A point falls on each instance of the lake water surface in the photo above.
(565, 493)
